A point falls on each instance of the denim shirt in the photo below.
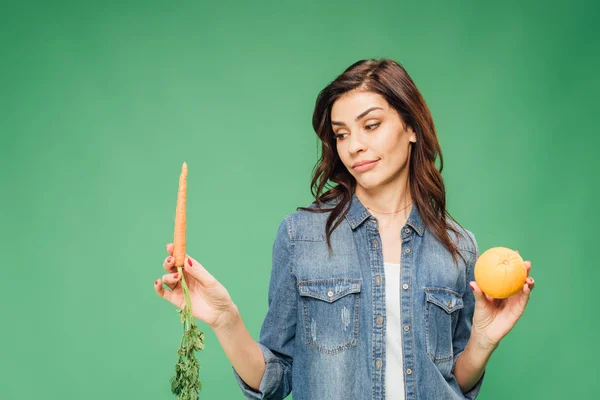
(324, 332)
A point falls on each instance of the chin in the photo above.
(370, 182)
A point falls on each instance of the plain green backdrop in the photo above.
(101, 102)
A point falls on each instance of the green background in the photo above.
(101, 102)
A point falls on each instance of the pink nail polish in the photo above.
(156, 282)
(169, 260)
(472, 288)
(189, 261)
(175, 276)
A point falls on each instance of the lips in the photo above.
(363, 166)
(359, 163)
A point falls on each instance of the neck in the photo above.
(383, 201)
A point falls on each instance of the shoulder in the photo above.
(464, 238)
(307, 224)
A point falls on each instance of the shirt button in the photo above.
(379, 320)
(378, 363)
(407, 250)
(408, 371)
(405, 286)
(406, 328)
(378, 279)
(330, 293)
(407, 230)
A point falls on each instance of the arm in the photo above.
(242, 351)
(278, 332)
(470, 363)
(470, 358)
(262, 369)
(484, 321)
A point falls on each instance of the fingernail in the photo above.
(156, 282)
(169, 259)
(189, 261)
(471, 285)
(175, 276)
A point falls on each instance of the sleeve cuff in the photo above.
(271, 381)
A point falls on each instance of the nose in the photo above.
(356, 143)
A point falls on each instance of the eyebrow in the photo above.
(359, 116)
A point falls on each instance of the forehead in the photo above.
(351, 104)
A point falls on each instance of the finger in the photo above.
(478, 293)
(530, 282)
(169, 264)
(171, 280)
(528, 266)
(524, 298)
(195, 269)
(175, 298)
(170, 248)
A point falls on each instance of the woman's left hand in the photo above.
(494, 318)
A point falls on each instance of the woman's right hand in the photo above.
(211, 302)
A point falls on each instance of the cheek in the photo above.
(342, 154)
(397, 155)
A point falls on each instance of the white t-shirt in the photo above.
(394, 371)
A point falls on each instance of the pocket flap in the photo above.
(329, 290)
(447, 299)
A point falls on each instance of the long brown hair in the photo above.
(389, 79)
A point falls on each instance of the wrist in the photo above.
(482, 342)
(227, 319)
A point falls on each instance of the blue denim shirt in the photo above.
(324, 332)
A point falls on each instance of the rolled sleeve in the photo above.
(277, 336)
(270, 384)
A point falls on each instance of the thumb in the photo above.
(477, 292)
(195, 269)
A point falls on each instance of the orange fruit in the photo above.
(500, 272)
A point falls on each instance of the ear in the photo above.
(413, 135)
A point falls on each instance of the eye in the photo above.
(339, 136)
(370, 127)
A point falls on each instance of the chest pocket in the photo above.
(441, 309)
(331, 313)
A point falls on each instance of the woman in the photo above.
(369, 294)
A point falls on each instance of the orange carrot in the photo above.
(185, 383)
(179, 235)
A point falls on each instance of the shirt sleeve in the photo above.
(278, 332)
(465, 319)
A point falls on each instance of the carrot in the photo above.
(179, 235)
(185, 383)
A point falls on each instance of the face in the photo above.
(370, 132)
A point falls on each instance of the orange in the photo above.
(500, 272)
